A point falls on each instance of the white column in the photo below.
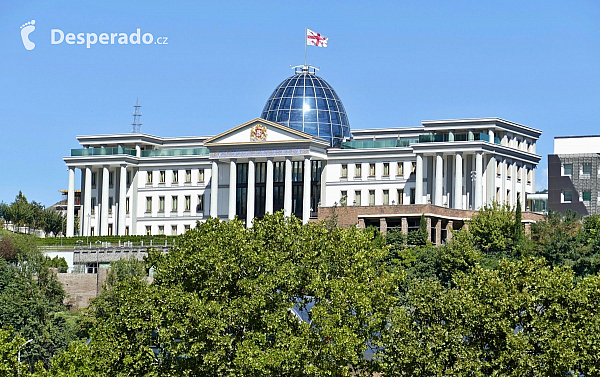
(439, 172)
(269, 188)
(478, 181)
(232, 189)
(523, 187)
(104, 208)
(250, 193)
(491, 135)
(71, 203)
(306, 191)
(214, 189)
(122, 200)
(513, 190)
(503, 181)
(419, 180)
(287, 197)
(458, 178)
(87, 204)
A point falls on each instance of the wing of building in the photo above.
(300, 157)
(574, 175)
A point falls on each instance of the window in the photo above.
(127, 230)
(371, 197)
(188, 204)
(400, 169)
(508, 170)
(175, 176)
(110, 229)
(126, 205)
(174, 203)
(344, 171)
(111, 180)
(508, 196)
(412, 196)
(386, 169)
(386, 197)
(92, 232)
(161, 230)
(186, 227)
(587, 169)
(371, 170)
(188, 176)
(400, 196)
(343, 198)
(92, 268)
(357, 197)
(567, 196)
(148, 204)
(200, 206)
(128, 178)
(162, 177)
(358, 171)
(528, 176)
(149, 178)
(568, 169)
(93, 209)
(587, 196)
(161, 204)
(519, 174)
(201, 175)
(148, 230)
(173, 230)
(110, 204)
(93, 180)
(413, 167)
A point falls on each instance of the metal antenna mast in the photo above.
(136, 118)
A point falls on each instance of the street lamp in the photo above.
(19, 356)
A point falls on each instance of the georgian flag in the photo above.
(315, 39)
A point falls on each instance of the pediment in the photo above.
(258, 131)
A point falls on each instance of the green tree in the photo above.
(523, 319)
(493, 228)
(279, 298)
(419, 237)
(9, 348)
(31, 301)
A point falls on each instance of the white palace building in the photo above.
(301, 157)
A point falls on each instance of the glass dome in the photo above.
(306, 102)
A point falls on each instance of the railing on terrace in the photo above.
(367, 144)
(102, 151)
(441, 138)
(175, 152)
(425, 138)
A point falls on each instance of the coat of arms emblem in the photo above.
(258, 133)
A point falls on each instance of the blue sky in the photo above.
(392, 63)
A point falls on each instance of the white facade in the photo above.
(140, 184)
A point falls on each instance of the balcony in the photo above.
(102, 151)
(175, 152)
(425, 138)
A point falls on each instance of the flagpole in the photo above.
(305, 34)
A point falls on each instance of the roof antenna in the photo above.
(136, 118)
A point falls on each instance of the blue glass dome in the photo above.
(306, 102)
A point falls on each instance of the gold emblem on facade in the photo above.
(258, 133)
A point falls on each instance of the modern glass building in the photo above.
(307, 103)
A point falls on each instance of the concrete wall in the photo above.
(81, 288)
